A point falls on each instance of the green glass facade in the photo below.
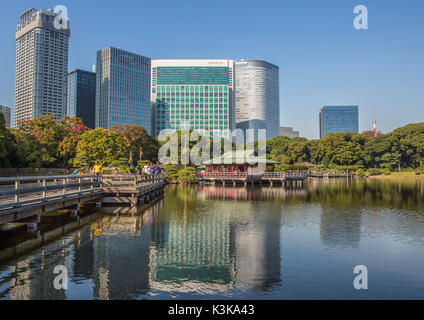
(198, 98)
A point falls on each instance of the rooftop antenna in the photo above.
(374, 127)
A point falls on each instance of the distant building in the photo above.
(193, 94)
(82, 96)
(41, 66)
(7, 113)
(288, 132)
(257, 97)
(122, 89)
(335, 119)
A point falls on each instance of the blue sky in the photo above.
(323, 60)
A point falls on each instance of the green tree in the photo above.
(138, 143)
(99, 144)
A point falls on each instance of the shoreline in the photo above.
(399, 175)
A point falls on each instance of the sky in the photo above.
(322, 58)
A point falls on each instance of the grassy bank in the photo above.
(400, 175)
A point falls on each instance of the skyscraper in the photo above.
(334, 119)
(122, 89)
(257, 97)
(193, 94)
(81, 96)
(289, 132)
(7, 113)
(41, 65)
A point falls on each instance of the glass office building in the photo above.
(81, 96)
(6, 113)
(193, 94)
(334, 119)
(122, 89)
(41, 66)
(257, 98)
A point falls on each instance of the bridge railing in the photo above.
(19, 191)
(264, 175)
(131, 180)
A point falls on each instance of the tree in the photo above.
(371, 134)
(37, 142)
(99, 144)
(68, 133)
(138, 143)
(4, 152)
(340, 149)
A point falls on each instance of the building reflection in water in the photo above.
(194, 241)
(121, 255)
(225, 247)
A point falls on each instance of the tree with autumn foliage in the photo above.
(69, 131)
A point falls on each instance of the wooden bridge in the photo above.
(284, 178)
(25, 198)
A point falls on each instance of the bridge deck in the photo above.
(24, 197)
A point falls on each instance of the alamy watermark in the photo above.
(189, 147)
(61, 21)
(361, 19)
(60, 282)
(361, 280)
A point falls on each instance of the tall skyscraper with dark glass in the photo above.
(193, 94)
(122, 89)
(257, 97)
(6, 113)
(335, 119)
(41, 65)
(82, 96)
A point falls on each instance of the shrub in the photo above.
(187, 174)
(360, 172)
(373, 172)
(418, 173)
(387, 172)
(171, 171)
(121, 163)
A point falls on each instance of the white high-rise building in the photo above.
(41, 65)
(257, 98)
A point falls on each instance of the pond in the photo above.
(212, 242)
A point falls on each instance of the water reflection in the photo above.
(207, 241)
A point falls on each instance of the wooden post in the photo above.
(44, 191)
(17, 189)
(64, 186)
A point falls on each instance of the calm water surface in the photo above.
(263, 243)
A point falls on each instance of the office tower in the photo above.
(333, 119)
(81, 96)
(289, 132)
(41, 66)
(122, 89)
(193, 94)
(6, 112)
(257, 97)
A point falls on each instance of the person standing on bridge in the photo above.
(97, 170)
(152, 169)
